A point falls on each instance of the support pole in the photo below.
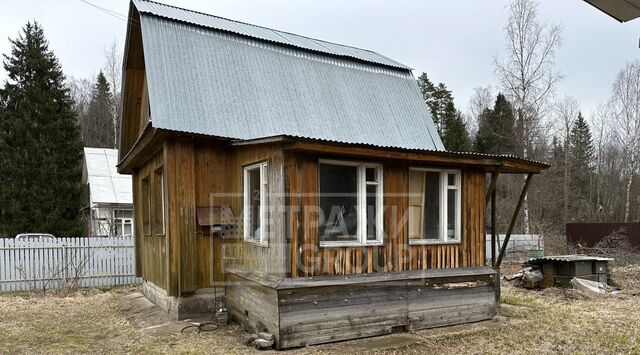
(492, 187)
(493, 228)
(513, 221)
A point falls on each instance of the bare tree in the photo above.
(113, 72)
(601, 138)
(625, 105)
(527, 71)
(481, 99)
(566, 111)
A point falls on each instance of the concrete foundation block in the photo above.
(196, 304)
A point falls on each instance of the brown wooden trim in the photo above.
(440, 158)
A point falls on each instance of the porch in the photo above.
(313, 310)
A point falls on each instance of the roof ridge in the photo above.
(263, 27)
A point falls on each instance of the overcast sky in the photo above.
(453, 41)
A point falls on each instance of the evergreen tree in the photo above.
(98, 122)
(496, 129)
(437, 97)
(40, 147)
(581, 167)
(454, 136)
(448, 120)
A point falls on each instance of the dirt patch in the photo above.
(120, 321)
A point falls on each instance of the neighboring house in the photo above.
(109, 208)
(348, 217)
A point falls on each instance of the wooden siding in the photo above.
(309, 259)
(203, 173)
(253, 303)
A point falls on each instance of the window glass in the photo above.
(452, 216)
(123, 214)
(372, 211)
(432, 206)
(158, 202)
(338, 202)
(451, 178)
(146, 206)
(254, 203)
(372, 175)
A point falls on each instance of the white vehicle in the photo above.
(35, 237)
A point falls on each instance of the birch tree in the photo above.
(625, 105)
(527, 71)
(113, 72)
(566, 112)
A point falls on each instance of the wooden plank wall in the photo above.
(322, 314)
(253, 305)
(205, 173)
(309, 259)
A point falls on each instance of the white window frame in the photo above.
(123, 220)
(444, 188)
(263, 240)
(362, 204)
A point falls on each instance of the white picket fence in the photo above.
(29, 265)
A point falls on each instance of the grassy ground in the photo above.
(548, 321)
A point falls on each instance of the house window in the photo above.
(434, 206)
(350, 203)
(146, 206)
(158, 202)
(123, 223)
(255, 203)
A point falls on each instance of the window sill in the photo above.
(256, 243)
(434, 242)
(349, 244)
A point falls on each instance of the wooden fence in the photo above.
(89, 262)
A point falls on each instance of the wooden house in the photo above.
(299, 183)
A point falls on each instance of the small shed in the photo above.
(558, 270)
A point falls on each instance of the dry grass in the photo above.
(549, 321)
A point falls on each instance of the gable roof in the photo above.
(105, 184)
(262, 33)
(213, 76)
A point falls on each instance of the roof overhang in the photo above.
(506, 164)
(621, 10)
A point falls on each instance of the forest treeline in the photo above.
(595, 158)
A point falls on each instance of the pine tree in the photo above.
(437, 97)
(581, 167)
(98, 122)
(454, 136)
(496, 129)
(40, 147)
(448, 120)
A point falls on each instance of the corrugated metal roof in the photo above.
(262, 33)
(105, 184)
(218, 83)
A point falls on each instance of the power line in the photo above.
(107, 11)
